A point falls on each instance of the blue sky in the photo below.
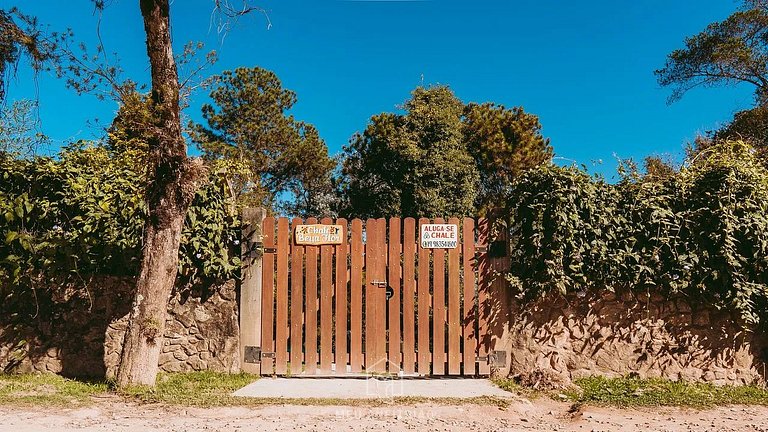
(585, 68)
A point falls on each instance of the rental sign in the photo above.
(439, 236)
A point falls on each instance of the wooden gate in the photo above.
(376, 303)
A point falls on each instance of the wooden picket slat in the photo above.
(326, 305)
(438, 307)
(371, 269)
(470, 312)
(454, 306)
(424, 304)
(268, 295)
(381, 298)
(484, 309)
(310, 306)
(356, 297)
(340, 295)
(393, 304)
(281, 311)
(409, 293)
(376, 301)
(297, 302)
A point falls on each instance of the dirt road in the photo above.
(522, 415)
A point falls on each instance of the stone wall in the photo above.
(81, 333)
(563, 338)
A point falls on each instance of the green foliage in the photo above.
(128, 129)
(702, 232)
(20, 133)
(749, 125)
(20, 35)
(561, 221)
(635, 392)
(440, 158)
(81, 214)
(211, 235)
(658, 168)
(269, 152)
(504, 143)
(725, 53)
(413, 164)
(733, 51)
(84, 214)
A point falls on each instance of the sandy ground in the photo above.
(522, 415)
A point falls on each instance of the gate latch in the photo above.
(380, 284)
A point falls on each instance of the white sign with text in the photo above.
(439, 236)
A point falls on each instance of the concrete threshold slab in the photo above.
(369, 388)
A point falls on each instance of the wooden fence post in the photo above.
(250, 290)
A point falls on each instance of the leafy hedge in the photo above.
(82, 215)
(702, 232)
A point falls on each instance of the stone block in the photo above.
(174, 366)
(166, 358)
(197, 364)
(201, 315)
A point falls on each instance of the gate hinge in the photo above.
(497, 249)
(494, 358)
(254, 354)
(259, 246)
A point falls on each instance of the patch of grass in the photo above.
(635, 392)
(48, 389)
(512, 386)
(200, 389)
(211, 389)
(508, 384)
(192, 389)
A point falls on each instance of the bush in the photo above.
(83, 215)
(702, 232)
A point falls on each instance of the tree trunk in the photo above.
(173, 181)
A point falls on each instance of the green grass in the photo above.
(192, 389)
(211, 389)
(510, 385)
(199, 389)
(634, 392)
(48, 389)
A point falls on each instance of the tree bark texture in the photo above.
(173, 181)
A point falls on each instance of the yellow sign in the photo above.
(318, 234)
